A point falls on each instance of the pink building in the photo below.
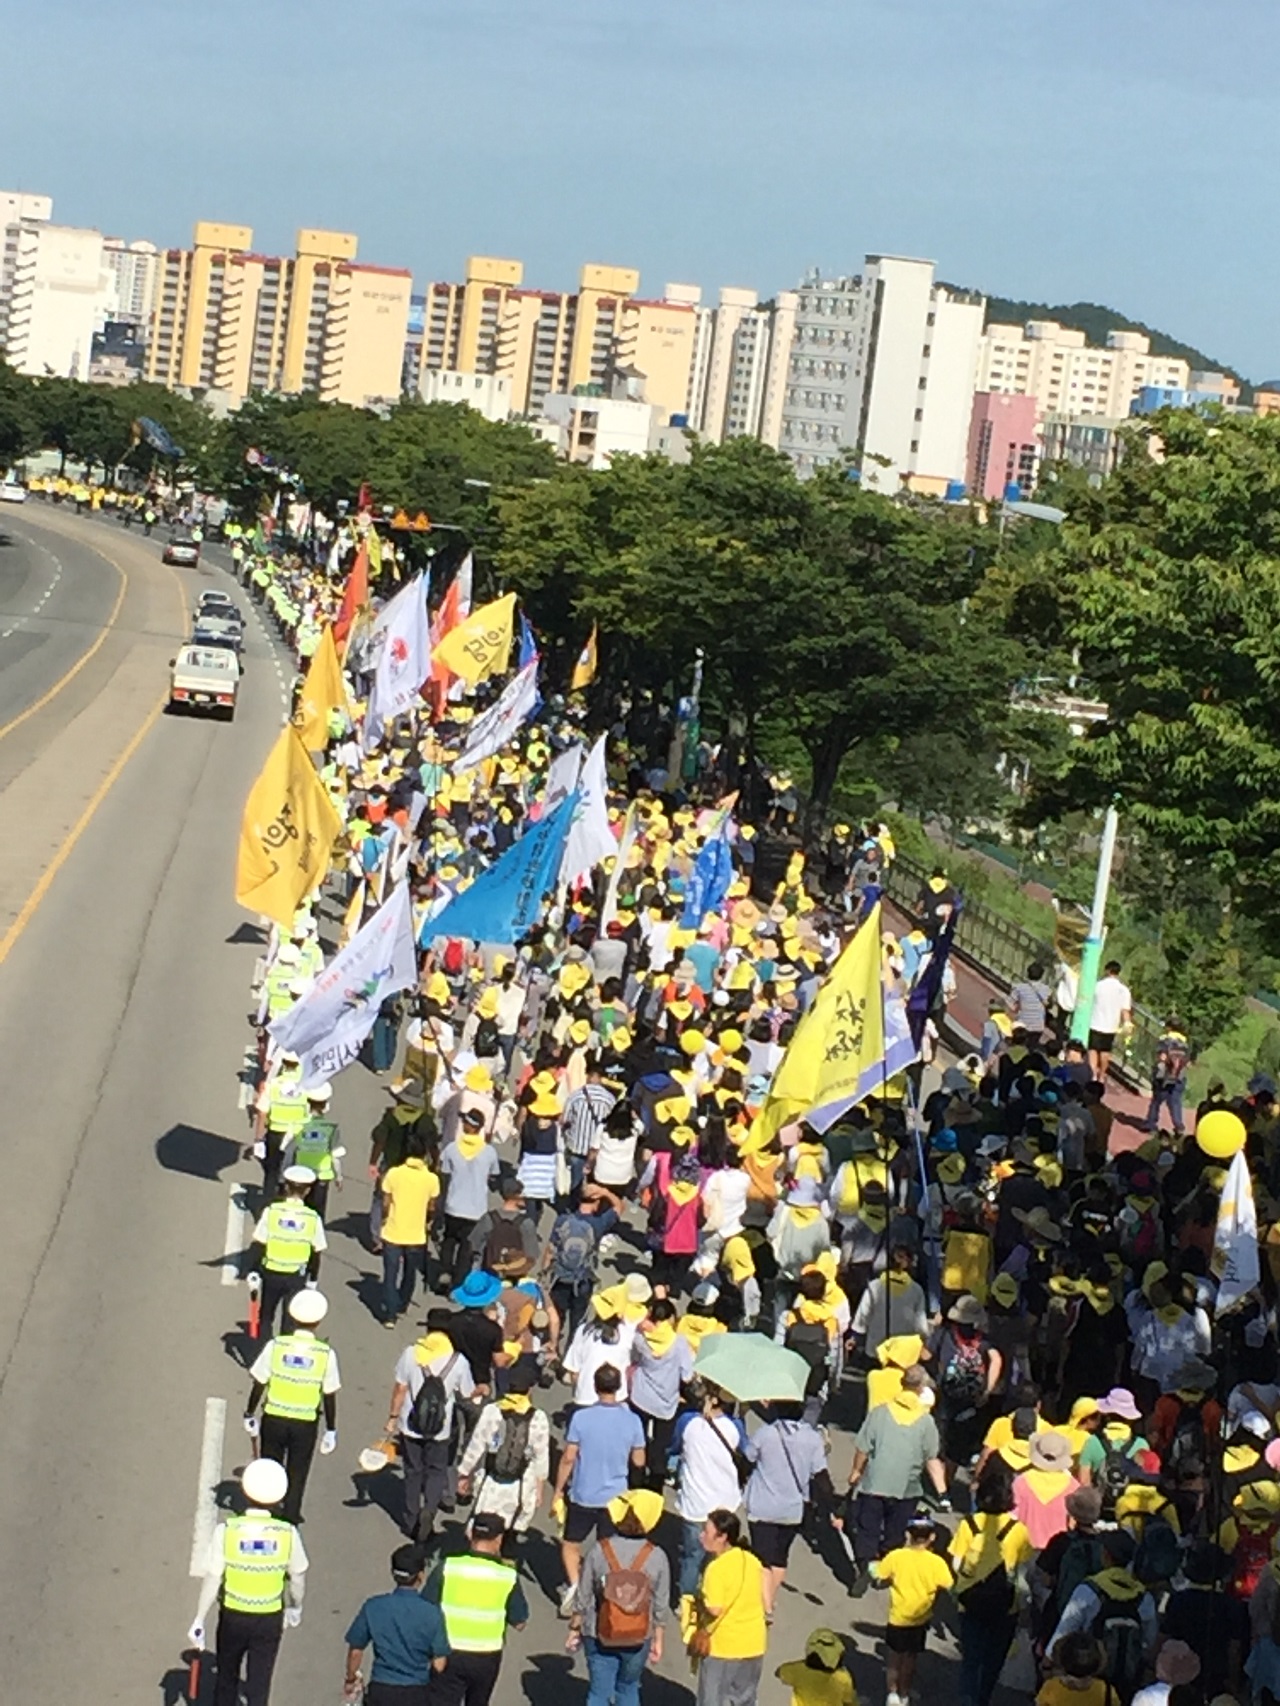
(1003, 444)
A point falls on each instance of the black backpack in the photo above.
(504, 1251)
(810, 1340)
(991, 1595)
(509, 1458)
(1081, 1558)
(1118, 1471)
(1117, 1625)
(485, 1041)
(1188, 1443)
(430, 1408)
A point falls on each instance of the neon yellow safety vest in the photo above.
(287, 1106)
(313, 1148)
(291, 1236)
(279, 996)
(255, 1554)
(295, 1385)
(473, 1598)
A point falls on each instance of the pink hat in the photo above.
(1120, 1402)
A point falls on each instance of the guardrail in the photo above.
(1001, 951)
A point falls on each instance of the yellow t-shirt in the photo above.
(812, 1687)
(1000, 1433)
(411, 1188)
(733, 1592)
(1057, 1692)
(982, 1542)
(915, 1577)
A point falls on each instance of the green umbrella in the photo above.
(751, 1368)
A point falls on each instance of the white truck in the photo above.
(204, 678)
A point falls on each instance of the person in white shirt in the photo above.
(708, 1480)
(599, 1340)
(1111, 1012)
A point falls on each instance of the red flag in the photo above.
(447, 617)
(354, 598)
(364, 503)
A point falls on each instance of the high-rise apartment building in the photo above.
(883, 367)
(225, 318)
(1068, 376)
(1004, 445)
(746, 368)
(551, 342)
(132, 269)
(53, 288)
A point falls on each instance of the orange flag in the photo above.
(355, 598)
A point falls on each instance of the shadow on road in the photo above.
(249, 934)
(203, 1154)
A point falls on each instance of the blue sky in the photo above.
(1121, 152)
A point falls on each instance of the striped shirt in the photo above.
(1027, 1003)
(584, 1115)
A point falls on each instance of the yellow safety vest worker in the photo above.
(291, 1236)
(279, 996)
(256, 1549)
(313, 1148)
(295, 1385)
(473, 1598)
(286, 1107)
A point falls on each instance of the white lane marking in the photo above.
(206, 1517)
(233, 1247)
(57, 576)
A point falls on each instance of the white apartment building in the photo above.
(489, 394)
(53, 286)
(883, 365)
(1068, 376)
(132, 269)
(17, 204)
(746, 367)
(590, 428)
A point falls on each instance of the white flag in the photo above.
(1235, 1242)
(327, 1026)
(404, 661)
(562, 778)
(630, 829)
(463, 581)
(502, 721)
(590, 837)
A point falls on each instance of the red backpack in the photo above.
(1250, 1557)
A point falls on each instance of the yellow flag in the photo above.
(287, 833)
(374, 544)
(584, 671)
(481, 643)
(323, 691)
(839, 1044)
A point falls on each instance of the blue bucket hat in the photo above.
(478, 1290)
(944, 1142)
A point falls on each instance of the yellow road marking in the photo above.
(31, 905)
(84, 657)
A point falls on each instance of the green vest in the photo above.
(256, 1549)
(295, 1385)
(287, 1106)
(291, 1233)
(313, 1148)
(474, 1598)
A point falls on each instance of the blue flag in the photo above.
(927, 989)
(709, 880)
(507, 898)
(528, 645)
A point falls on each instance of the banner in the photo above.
(503, 720)
(506, 899)
(591, 838)
(710, 878)
(286, 834)
(838, 1046)
(326, 1028)
(1234, 1263)
(404, 661)
(323, 692)
(481, 644)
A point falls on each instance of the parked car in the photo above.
(12, 492)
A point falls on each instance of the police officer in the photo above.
(480, 1595)
(256, 1571)
(287, 1242)
(296, 1374)
(316, 1146)
(283, 1107)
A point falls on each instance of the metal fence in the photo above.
(1002, 949)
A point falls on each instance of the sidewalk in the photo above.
(967, 1014)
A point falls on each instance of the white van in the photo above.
(204, 678)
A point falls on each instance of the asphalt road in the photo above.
(124, 979)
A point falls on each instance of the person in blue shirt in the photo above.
(407, 1634)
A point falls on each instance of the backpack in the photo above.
(518, 1310)
(454, 956)
(1117, 1625)
(1188, 1443)
(1143, 1242)
(504, 1250)
(991, 1595)
(1158, 1555)
(810, 1340)
(1081, 1558)
(509, 1458)
(1250, 1556)
(485, 1041)
(430, 1408)
(1117, 1471)
(624, 1616)
(964, 1379)
(573, 1248)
